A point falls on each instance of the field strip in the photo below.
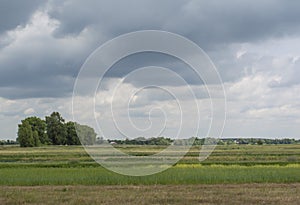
(154, 194)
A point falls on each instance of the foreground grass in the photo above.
(180, 174)
(155, 194)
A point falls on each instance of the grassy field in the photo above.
(187, 174)
(75, 155)
(246, 174)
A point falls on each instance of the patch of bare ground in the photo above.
(153, 194)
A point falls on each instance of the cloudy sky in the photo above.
(255, 47)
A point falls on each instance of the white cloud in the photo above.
(29, 111)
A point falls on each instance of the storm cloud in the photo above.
(254, 45)
(49, 41)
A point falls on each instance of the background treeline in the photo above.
(141, 141)
(8, 142)
(200, 141)
(257, 141)
(33, 132)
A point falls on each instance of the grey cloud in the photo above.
(140, 60)
(41, 62)
(15, 13)
(289, 77)
(46, 87)
(208, 23)
(112, 17)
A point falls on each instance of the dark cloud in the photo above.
(54, 88)
(206, 22)
(47, 63)
(145, 59)
(14, 13)
(112, 17)
(39, 72)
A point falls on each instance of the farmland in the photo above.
(66, 156)
(153, 194)
(241, 169)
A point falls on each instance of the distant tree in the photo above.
(56, 129)
(25, 135)
(221, 142)
(260, 142)
(8, 142)
(72, 138)
(100, 140)
(86, 134)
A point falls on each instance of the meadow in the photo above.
(65, 170)
(59, 156)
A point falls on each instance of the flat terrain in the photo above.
(234, 174)
(180, 174)
(228, 154)
(153, 194)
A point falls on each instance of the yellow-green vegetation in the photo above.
(70, 165)
(232, 174)
(187, 174)
(226, 154)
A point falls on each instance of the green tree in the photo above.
(36, 139)
(72, 138)
(38, 125)
(260, 142)
(56, 129)
(86, 134)
(25, 135)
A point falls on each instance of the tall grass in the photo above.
(181, 174)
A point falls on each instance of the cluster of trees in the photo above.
(8, 142)
(34, 131)
(159, 141)
(144, 141)
(257, 141)
(201, 141)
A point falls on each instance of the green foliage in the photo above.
(72, 138)
(25, 135)
(56, 129)
(86, 134)
(260, 142)
(8, 142)
(144, 141)
(39, 126)
(36, 139)
(36, 136)
(34, 131)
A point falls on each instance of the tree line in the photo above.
(201, 141)
(143, 141)
(33, 132)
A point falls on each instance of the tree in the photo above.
(56, 129)
(260, 142)
(36, 139)
(39, 126)
(25, 135)
(86, 134)
(72, 138)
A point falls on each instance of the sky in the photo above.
(254, 45)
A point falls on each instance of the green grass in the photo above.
(232, 154)
(181, 174)
(61, 165)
